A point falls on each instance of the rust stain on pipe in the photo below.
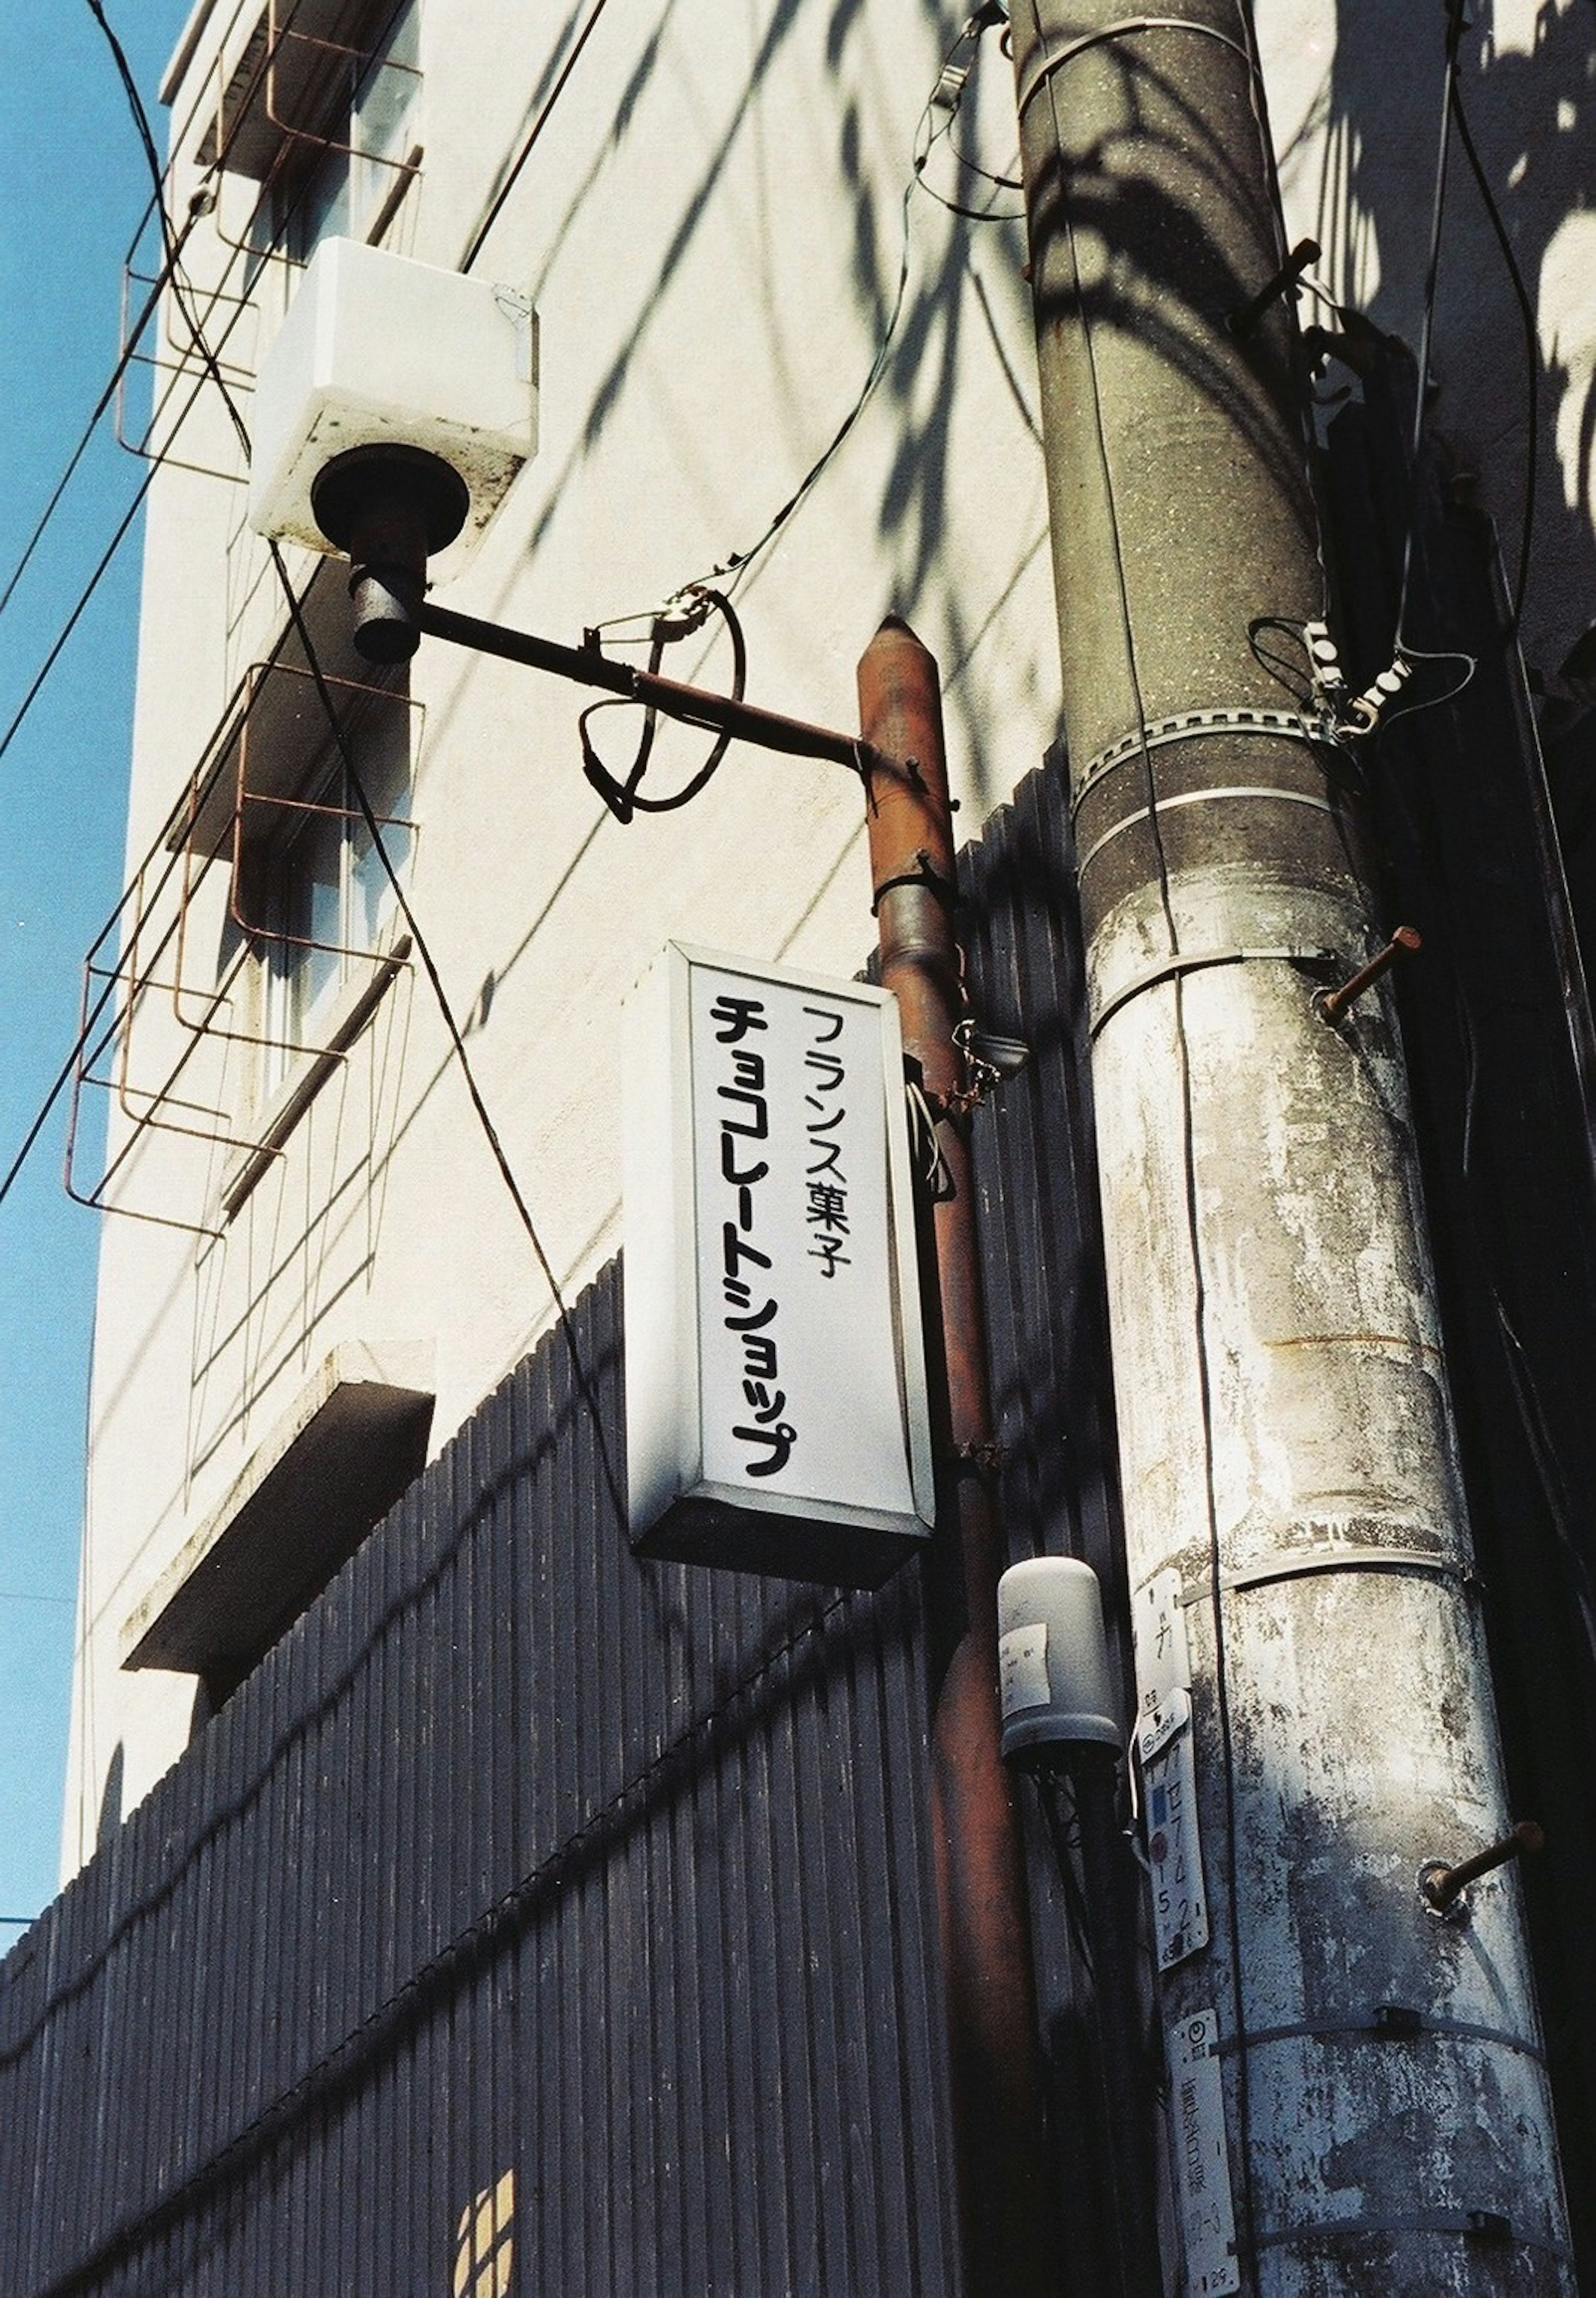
(996, 2067)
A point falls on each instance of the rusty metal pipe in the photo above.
(994, 2057)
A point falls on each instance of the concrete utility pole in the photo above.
(1358, 2096)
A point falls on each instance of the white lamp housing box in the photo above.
(376, 350)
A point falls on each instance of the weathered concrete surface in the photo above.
(1280, 1388)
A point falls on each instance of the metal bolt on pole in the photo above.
(1005, 2209)
(1295, 1516)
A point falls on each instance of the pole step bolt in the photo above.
(1442, 1889)
(1304, 256)
(1331, 1004)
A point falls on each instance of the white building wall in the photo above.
(710, 225)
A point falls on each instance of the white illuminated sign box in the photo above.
(775, 1375)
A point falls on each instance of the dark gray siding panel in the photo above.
(516, 1855)
(521, 1854)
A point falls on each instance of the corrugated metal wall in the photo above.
(520, 1856)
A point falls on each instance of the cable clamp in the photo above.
(1339, 1556)
(1324, 665)
(1394, 2022)
(1321, 732)
(1482, 2226)
(1311, 961)
(924, 874)
(1365, 712)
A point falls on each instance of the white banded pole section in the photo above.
(1287, 1446)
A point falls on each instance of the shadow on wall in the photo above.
(959, 268)
(1527, 83)
(110, 1799)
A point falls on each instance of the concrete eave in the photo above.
(352, 1441)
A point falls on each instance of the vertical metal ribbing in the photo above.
(1280, 1391)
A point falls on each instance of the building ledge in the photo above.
(353, 1441)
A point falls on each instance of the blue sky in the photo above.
(72, 186)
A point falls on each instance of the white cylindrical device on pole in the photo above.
(1053, 1664)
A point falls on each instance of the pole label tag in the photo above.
(1202, 2158)
(1166, 1750)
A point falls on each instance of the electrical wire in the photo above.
(626, 798)
(1516, 1360)
(373, 829)
(721, 581)
(1057, 1812)
(125, 359)
(64, 1077)
(172, 251)
(729, 572)
(128, 355)
(1402, 647)
(1531, 346)
(479, 238)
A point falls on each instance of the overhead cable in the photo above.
(128, 356)
(729, 573)
(479, 236)
(1531, 346)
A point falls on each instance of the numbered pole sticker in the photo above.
(1203, 2157)
(1022, 1667)
(1162, 1654)
(1174, 1850)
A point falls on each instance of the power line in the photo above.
(737, 565)
(128, 356)
(94, 1010)
(75, 616)
(85, 595)
(1532, 343)
(479, 236)
(124, 361)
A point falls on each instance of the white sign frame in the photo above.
(686, 1499)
